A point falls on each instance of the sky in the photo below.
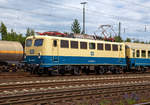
(58, 15)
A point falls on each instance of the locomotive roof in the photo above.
(75, 39)
(138, 46)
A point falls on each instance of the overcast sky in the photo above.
(58, 15)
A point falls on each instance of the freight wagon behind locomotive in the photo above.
(74, 55)
(11, 53)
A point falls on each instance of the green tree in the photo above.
(75, 27)
(30, 32)
(3, 30)
(128, 40)
(118, 39)
(136, 41)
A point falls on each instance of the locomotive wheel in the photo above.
(101, 71)
(117, 71)
(40, 71)
(75, 71)
(143, 69)
(97, 70)
(62, 71)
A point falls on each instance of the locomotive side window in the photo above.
(38, 42)
(83, 45)
(137, 53)
(149, 54)
(100, 46)
(55, 43)
(143, 53)
(107, 47)
(64, 44)
(91, 45)
(115, 47)
(133, 52)
(74, 44)
(28, 42)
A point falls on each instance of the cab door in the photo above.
(55, 51)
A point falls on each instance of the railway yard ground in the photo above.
(22, 88)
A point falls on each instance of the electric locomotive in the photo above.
(74, 55)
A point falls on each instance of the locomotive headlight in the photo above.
(39, 55)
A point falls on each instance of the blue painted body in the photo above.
(48, 61)
(139, 62)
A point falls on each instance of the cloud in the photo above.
(48, 15)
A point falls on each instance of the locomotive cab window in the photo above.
(137, 53)
(74, 44)
(64, 44)
(100, 46)
(28, 42)
(107, 47)
(149, 54)
(91, 45)
(83, 45)
(143, 53)
(55, 43)
(115, 47)
(38, 42)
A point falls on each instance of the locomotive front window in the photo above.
(38, 42)
(28, 42)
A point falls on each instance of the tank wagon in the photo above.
(11, 53)
(74, 55)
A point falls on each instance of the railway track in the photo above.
(67, 90)
(16, 86)
(71, 94)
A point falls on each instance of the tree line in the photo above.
(75, 28)
(13, 36)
